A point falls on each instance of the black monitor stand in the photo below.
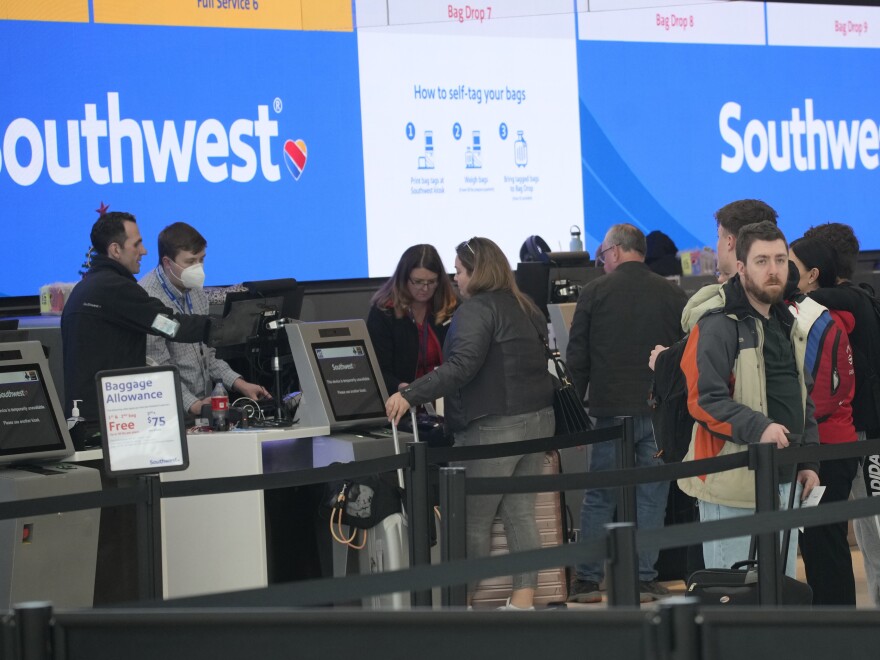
(270, 336)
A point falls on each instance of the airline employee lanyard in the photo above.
(168, 292)
(176, 302)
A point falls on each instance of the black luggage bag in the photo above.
(738, 585)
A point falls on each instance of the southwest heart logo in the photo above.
(295, 154)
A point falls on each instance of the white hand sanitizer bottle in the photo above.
(75, 417)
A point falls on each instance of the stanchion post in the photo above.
(622, 565)
(149, 532)
(453, 529)
(626, 458)
(33, 621)
(418, 514)
(674, 624)
(762, 459)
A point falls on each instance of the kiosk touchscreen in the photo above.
(32, 425)
(52, 556)
(338, 373)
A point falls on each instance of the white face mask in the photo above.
(192, 277)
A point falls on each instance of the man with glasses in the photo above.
(619, 318)
(600, 256)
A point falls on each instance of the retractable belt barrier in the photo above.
(675, 628)
(455, 572)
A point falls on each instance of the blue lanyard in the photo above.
(171, 295)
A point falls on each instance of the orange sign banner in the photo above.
(63, 11)
(251, 14)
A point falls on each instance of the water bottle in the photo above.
(219, 406)
(575, 244)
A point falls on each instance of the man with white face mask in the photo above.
(177, 281)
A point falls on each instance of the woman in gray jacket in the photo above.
(496, 388)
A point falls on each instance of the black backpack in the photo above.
(868, 290)
(673, 424)
(668, 397)
(872, 365)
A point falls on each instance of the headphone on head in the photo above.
(535, 248)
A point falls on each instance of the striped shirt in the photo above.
(199, 367)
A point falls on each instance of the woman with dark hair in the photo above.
(409, 316)
(497, 389)
(815, 262)
(828, 357)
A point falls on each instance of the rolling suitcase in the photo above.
(387, 545)
(738, 585)
(551, 517)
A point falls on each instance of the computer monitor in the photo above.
(285, 295)
(244, 319)
(245, 335)
(32, 425)
(558, 280)
(338, 373)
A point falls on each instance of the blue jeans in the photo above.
(723, 553)
(517, 510)
(600, 503)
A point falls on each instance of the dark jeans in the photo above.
(825, 549)
(600, 504)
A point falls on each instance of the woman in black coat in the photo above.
(409, 316)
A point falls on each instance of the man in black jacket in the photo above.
(865, 340)
(618, 320)
(108, 316)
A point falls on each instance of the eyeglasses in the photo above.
(463, 245)
(424, 284)
(601, 259)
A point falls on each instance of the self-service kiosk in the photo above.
(342, 387)
(48, 557)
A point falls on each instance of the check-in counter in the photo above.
(218, 543)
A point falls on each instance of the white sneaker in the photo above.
(514, 608)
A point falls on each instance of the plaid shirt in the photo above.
(199, 367)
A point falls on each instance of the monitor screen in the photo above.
(242, 319)
(349, 380)
(31, 424)
(284, 295)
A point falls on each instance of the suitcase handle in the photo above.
(412, 412)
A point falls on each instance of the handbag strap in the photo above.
(558, 363)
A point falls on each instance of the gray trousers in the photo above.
(867, 531)
(517, 510)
